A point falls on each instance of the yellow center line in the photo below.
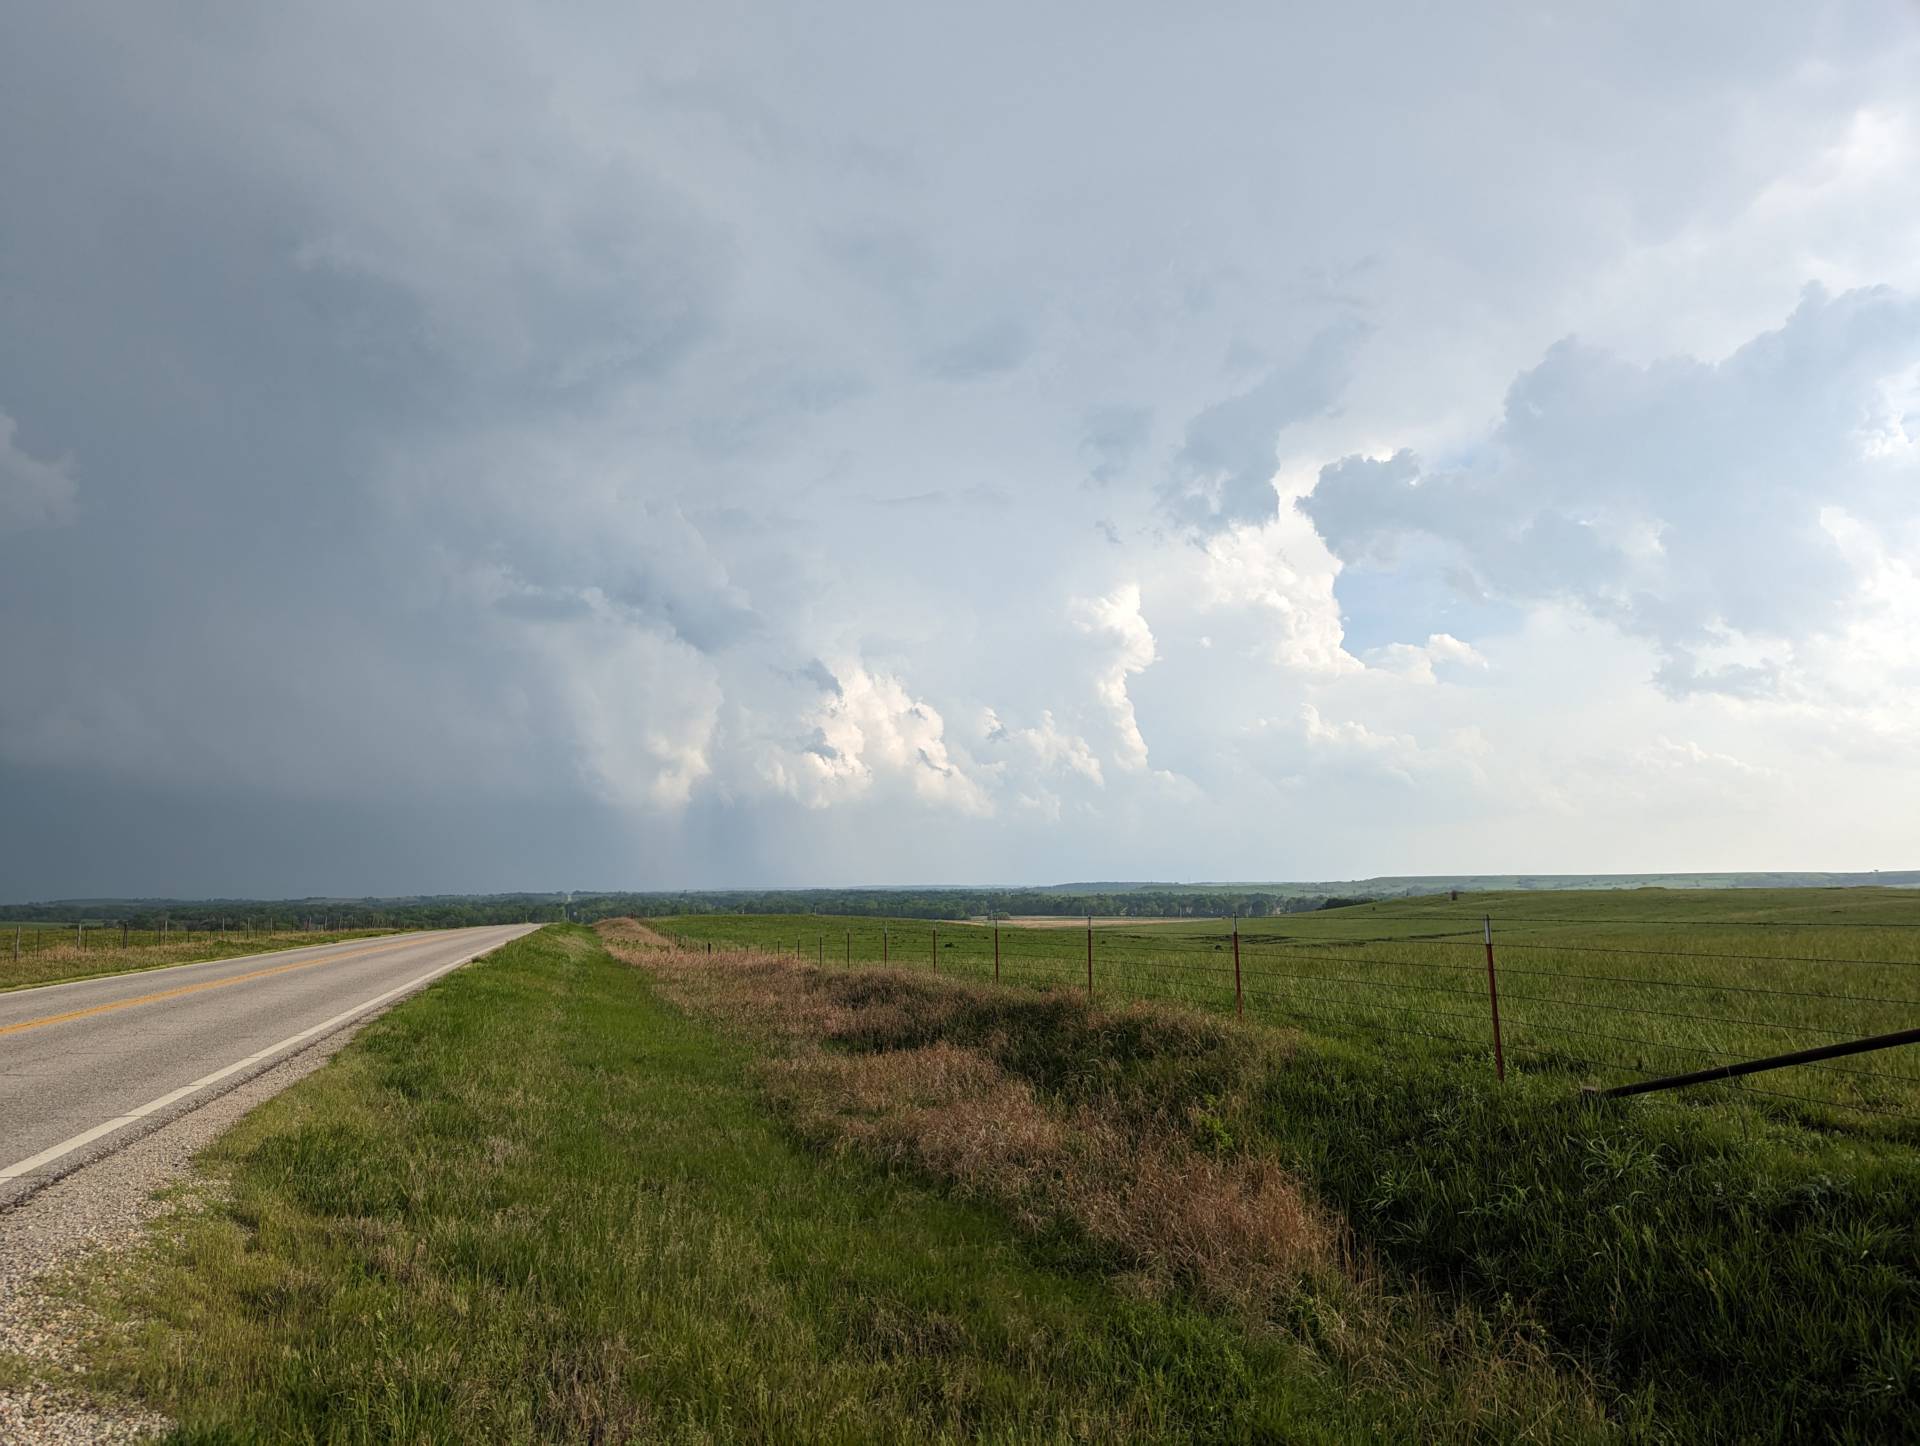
(156, 997)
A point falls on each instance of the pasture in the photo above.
(1599, 988)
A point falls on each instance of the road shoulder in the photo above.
(101, 1209)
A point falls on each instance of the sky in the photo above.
(469, 447)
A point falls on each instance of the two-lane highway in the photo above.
(89, 1065)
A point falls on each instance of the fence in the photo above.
(21, 942)
(1604, 1003)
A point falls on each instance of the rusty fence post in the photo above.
(1239, 1003)
(1493, 1006)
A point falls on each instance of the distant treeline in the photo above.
(1172, 903)
(428, 912)
(1116, 900)
(446, 912)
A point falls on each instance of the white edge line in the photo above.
(87, 1137)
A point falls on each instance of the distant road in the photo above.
(87, 1066)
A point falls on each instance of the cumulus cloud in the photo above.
(1681, 499)
(1116, 620)
(1047, 746)
(870, 731)
(1419, 662)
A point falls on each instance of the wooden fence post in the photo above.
(1493, 1006)
(1239, 1005)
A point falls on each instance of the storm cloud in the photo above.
(470, 447)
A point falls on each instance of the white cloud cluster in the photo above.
(1684, 501)
(868, 731)
(1116, 620)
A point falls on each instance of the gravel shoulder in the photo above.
(103, 1208)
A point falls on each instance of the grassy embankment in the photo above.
(1595, 987)
(100, 953)
(541, 1202)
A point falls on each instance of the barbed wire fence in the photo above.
(1810, 1027)
(27, 942)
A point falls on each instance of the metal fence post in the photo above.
(1493, 1005)
(1239, 1005)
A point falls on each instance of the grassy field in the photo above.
(64, 955)
(539, 1203)
(1600, 988)
(657, 1194)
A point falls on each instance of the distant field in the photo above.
(52, 953)
(1601, 987)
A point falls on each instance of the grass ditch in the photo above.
(1703, 1272)
(538, 1202)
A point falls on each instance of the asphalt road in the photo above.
(88, 1066)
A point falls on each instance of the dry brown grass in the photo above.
(1115, 1125)
(902, 1069)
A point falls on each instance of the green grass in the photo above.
(1718, 1276)
(1683, 1257)
(1600, 988)
(535, 1203)
(68, 959)
(538, 1203)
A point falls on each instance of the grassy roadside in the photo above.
(69, 961)
(559, 1197)
(1716, 1276)
(538, 1203)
